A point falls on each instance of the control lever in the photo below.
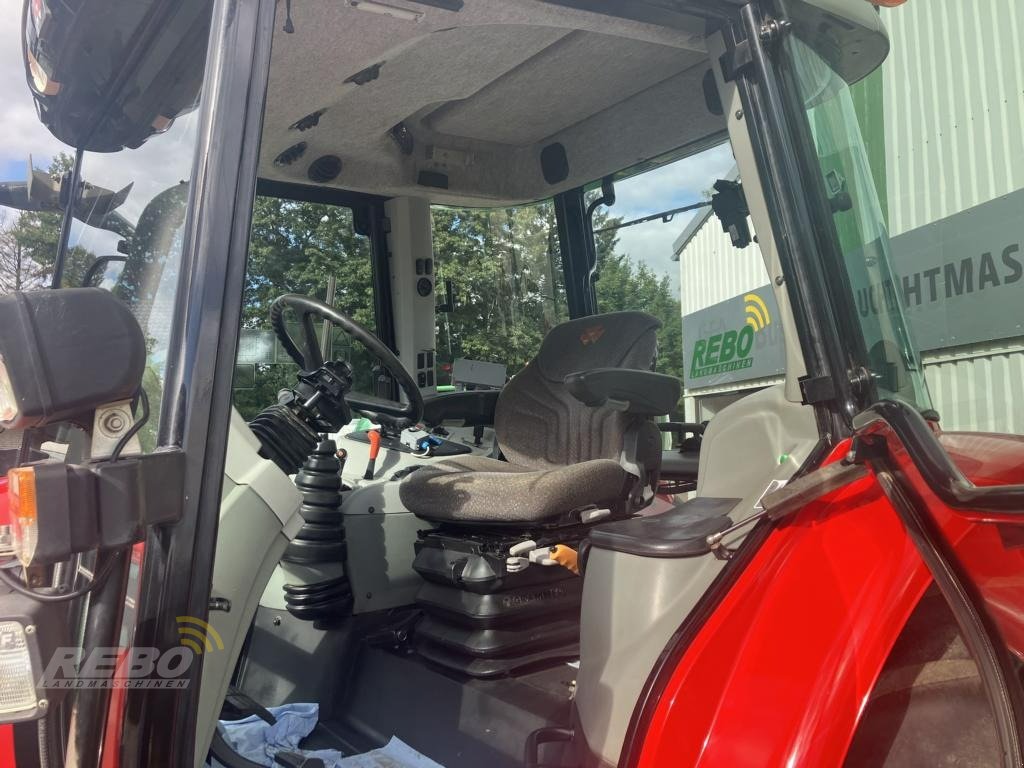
(373, 436)
(529, 552)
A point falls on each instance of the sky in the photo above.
(671, 186)
(23, 134)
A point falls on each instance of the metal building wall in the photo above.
(953, 114)
(953, 95)
(979, 389)
(712, 270)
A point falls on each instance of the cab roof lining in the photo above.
(482, 91)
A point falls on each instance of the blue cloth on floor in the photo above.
(258, 740)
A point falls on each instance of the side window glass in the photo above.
(296, 247)
(680, 266)
(928, 706)
(505, 269)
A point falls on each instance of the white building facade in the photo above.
(944, 124)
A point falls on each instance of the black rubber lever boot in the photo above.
(295, 760)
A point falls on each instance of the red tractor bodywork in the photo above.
(782, 670)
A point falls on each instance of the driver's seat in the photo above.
(575, 428)
(562, 455)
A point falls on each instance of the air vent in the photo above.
(290, 155)
(325, 168)
(309, 121)
(364, 76)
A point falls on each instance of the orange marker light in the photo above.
(21, 500)
(887, 3)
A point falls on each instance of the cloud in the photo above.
(651, 243)
(671, 186)
(23, 134)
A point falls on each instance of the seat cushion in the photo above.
(476, 489)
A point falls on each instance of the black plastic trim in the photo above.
(307, 193)
(573, 231)
(679, 532)
(943, 477)
(786, 198)
(473, 408)
(177, 569)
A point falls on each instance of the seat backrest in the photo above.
(539, 424)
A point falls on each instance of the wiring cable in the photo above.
(134, 430)
(44, 597)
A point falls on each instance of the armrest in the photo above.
(474, 408)
(644, 393)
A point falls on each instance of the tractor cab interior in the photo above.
(466, 501)
(483, 569)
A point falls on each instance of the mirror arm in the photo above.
(69, 195)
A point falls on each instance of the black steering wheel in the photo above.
(308, 356)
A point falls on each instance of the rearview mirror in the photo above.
(97, 271)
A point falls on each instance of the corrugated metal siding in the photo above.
(953, 96)
(978, 390)
(712, 270)
(953, 92)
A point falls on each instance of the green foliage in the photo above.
(624, 284)
(507, 276)
(294, 248)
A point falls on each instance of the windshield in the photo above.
(893, 360)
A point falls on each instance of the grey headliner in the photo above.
(496, 81)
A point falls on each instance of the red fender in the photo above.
(781, 671)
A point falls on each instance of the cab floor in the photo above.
(368, 694)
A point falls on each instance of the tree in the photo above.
(625, 284)
(507, 276)
(294, 248)
(17, 270)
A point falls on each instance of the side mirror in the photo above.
(142, 61)
(98, 268)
